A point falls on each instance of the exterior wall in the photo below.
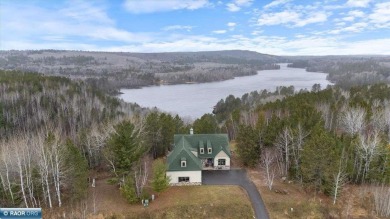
(195, 153)
(222, 155)
(195, 177)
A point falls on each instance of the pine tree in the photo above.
(160, 180)
(126, 147)
(78, 169)
(319, 160)
(128, 190)
(248, 145)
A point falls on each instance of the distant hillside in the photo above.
(347, 71)
(112, 70)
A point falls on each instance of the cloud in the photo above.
(356, 13)
(177, 27)
(380, 16)
(358, 3)
(232, 7)
(151, 6)
(292, 18)
(231, 24)
(256, 32)
(45, 24)
(236, 5)
(276, 3)
(219, 31)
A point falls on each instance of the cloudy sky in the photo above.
(280, 27)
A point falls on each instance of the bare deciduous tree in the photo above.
(140, 177)
(268, 158)
(368, 149)
(283, 143)
(352, 120)
(339, 178)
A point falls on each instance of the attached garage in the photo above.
(187, 177)
(196, 152)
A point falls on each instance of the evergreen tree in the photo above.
(248, 145)
(126, 146)
(207, 124)
(78, 169)
(319, 160)
(153, 133)
(160, 180)
(128, 190)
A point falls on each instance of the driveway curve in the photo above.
(240, 178)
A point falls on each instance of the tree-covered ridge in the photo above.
(117, 70)
(322, 139)
(55, 130)
(32, 102)
(347, 71)
(52, 131)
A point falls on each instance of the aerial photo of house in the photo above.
(193, 153)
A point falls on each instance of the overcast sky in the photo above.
(279, 27)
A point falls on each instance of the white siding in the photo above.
(195, 176)
(222, 155)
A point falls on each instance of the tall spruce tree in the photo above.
(248, 145)
(319, 160)
(126, 146)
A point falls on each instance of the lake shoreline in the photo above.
(196, 99)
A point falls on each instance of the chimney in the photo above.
(191, 131)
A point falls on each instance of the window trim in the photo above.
(224, 161)
(183, 163)
(209, 150)
(201, 151)
(183, 179)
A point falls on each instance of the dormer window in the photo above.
(201, 150)
(209, 148)
(183, 162)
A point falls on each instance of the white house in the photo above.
(193, 153)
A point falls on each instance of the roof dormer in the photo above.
(183, 162)
(209, 147)
(201, 147)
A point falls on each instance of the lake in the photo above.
(194, 100)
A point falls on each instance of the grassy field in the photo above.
(289, 200)
(176, 202)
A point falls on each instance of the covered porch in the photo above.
(208, 164)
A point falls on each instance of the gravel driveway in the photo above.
(237, 177)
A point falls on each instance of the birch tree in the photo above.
(340, 177)
(353, 120)
(140, 178)
(268, 158)
(283, 143)
(368, 149)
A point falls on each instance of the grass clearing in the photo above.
(176, 202)
(289, 200)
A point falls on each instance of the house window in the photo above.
(209, 150)
(201, 150)
(184, 179)
(183, 163)
(222, 162)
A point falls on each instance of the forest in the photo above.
(347, 71)
(114, 70)
(55, 130)
(322, 139)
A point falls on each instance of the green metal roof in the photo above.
(182, 152)
(185, 143)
